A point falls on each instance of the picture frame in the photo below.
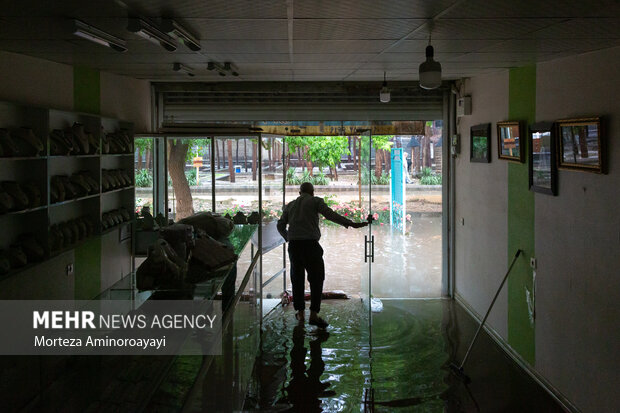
(543, 171)
(510, 141)
(581, 145)
(480, 143)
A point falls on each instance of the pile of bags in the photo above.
(187, 252)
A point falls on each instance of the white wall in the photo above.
(127, 99)
(577, 233)
(481, 203)
(578, 242)
(37, 82)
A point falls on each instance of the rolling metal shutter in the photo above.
(295, 102)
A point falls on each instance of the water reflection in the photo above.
(305, 389)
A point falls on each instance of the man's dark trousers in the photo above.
(306, 255)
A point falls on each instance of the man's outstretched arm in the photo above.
(333, 216)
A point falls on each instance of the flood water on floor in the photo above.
(303, 369)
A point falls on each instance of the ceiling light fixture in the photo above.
(217, 67)
(179, 67)
(384, 93)
(223, 69)
(231, 68)
(430, 70)
(149, 32)
(180, 33)
(95, 35)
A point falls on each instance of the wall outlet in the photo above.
(533, 263)
(69, 269)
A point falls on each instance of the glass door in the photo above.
(365, 171)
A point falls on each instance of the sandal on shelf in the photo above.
(319, 322)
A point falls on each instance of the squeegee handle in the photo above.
(490, 307)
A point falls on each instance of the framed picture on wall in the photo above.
(480, 143)
(542, 166)
(510, 141)
(581, 145)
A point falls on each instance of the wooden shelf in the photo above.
(118, 189)
(22, 158)
(16, 271)
(25, 211)
(117, 226)
(73, 156)
(72, 246)
(69, 201)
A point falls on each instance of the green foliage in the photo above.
(426, 172)
(429, 178)
(191, 177)
(293, 179)
(321, 150)
(327, 150)
(144, 179)
(367, 176)
(142, 145)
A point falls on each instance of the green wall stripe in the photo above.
(87, 98)
(86, 90)
(88, 269)
(522, 106)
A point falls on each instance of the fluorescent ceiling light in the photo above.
(95, 35)
(179, 67)
(177, 31)
(149, 32)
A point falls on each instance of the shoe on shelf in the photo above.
(31, 247)
(92, 143)
(17, 257)
(20, 198)
(34, 194)
(6, 202)
(31, 144)
(81, 138)
(9, 148)
(5, 264)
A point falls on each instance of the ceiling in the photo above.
(330, 40)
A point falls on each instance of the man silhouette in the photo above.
(304, 250)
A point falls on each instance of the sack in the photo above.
(215, 226)
(180, 237)
(162, 268)
(212, 254)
